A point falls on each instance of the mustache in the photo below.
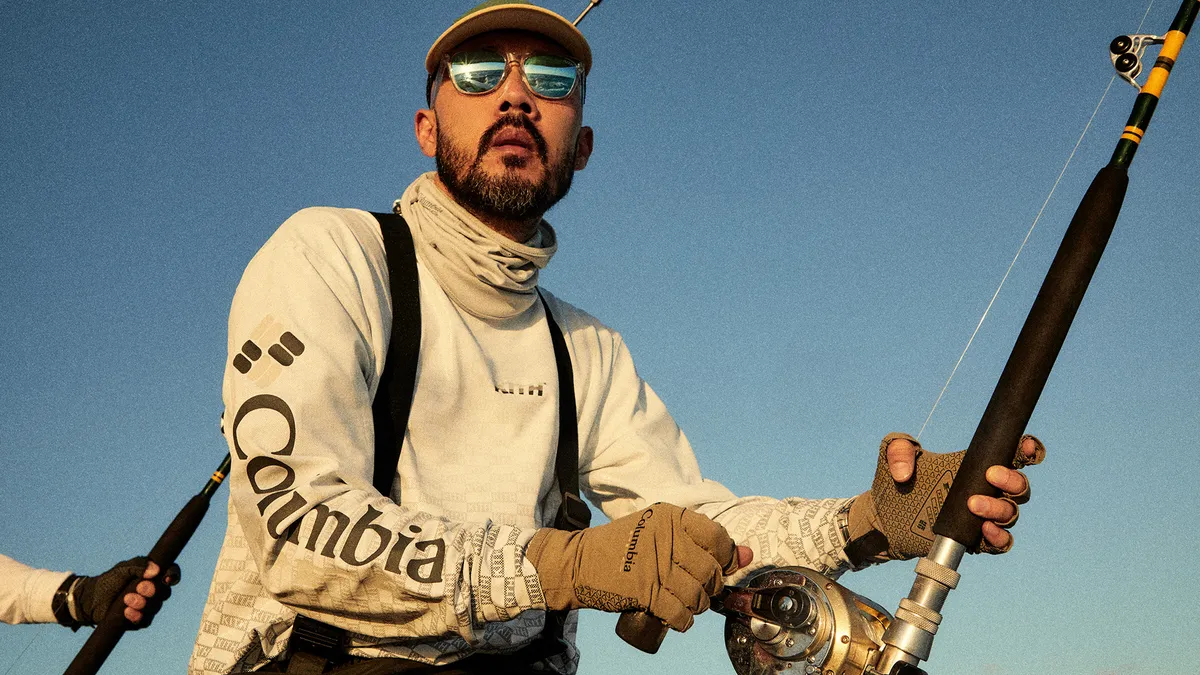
(519, 122)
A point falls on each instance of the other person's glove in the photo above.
(661, 559)
(894, 520)
(94, 596)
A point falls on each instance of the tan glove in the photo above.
(661, 559)
(894, 521)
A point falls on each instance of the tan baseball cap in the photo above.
(510, 15)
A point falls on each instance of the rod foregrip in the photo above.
(105, 637)
(642, 630)
(171, 543)
(1028, 367)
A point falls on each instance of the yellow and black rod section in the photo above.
(102, 640)
(1147, 100)
(910, 637)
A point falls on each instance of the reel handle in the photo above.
(642, 630)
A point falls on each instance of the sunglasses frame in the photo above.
(511, 59)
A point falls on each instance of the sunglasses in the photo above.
(548, 76)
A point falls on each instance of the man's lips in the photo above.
(511, 137)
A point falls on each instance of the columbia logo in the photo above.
(923, 523)
(283, 352)
(521, 390)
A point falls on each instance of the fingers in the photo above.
(1030, 451)
(681, 584)
(1009, 481)
(995, 539)
(712, 537)
(745, 556)
(679, 600)
(1001, 511)
(135, 603)
(171, 578)
(140, 607)
(1019, 496)
(699, 564)
(136, 600)
(901, 458)
(134, 616)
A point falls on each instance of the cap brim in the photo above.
(512, 17)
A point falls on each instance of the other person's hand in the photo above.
(894, 520)
(661, 559)
(94, 595)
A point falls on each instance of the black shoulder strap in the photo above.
(573, 514)
(393, 398)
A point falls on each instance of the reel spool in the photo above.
(795, 620)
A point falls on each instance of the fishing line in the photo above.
(1028, 234)
(27, 646)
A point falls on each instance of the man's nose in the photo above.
(515, 94)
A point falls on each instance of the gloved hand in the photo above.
(93, 596)
(894, 520)
(661, 559)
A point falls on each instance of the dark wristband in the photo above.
(60, 603)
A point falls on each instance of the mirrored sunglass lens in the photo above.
(550, 76)
(477, 72)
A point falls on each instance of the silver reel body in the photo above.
(793, 619)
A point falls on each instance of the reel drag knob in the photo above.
(784, 605)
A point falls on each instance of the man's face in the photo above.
(507, 154)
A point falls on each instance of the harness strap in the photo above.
(393, 398)
(572, 514)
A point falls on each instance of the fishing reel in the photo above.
(1126, 51)
(794, 619)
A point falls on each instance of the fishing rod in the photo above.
(585, 11)
(910, 637)
(793, 617)
(102, 640)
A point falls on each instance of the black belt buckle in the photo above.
(573, 514)
(310, 636)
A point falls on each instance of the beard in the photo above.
(506, 196)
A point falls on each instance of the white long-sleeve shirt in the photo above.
(436, 569)
(27, 593)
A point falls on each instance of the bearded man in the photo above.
(413, 419)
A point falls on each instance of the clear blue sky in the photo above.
(796, 213)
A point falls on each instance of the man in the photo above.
(453, 561)
(30, 595)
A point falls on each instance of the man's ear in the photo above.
(425, 128)
(583, 147)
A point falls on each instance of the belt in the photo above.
(315, 648)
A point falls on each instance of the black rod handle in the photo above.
(1033, 356)
(105, 637)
